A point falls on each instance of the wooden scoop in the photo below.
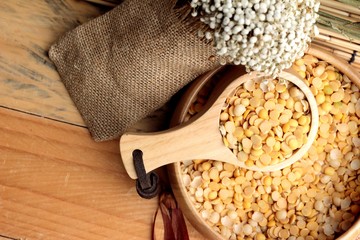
(200, 138)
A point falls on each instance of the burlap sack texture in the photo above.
(125, 64)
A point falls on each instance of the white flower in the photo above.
(266, 35)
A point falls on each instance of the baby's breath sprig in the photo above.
(263, 35)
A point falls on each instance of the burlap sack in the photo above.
(123, 65)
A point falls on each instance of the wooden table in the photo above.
(55, 181)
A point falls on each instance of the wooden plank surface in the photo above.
(55, 181)
(28, 80)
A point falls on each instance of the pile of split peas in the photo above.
(318, 197)
(264, 125)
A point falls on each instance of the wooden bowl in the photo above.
(228, 73)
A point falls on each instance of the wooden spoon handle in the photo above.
(198, 140)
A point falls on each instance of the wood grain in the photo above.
(2, 237)
(57, 183)
(28, 78)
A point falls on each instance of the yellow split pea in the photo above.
(264, 127)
